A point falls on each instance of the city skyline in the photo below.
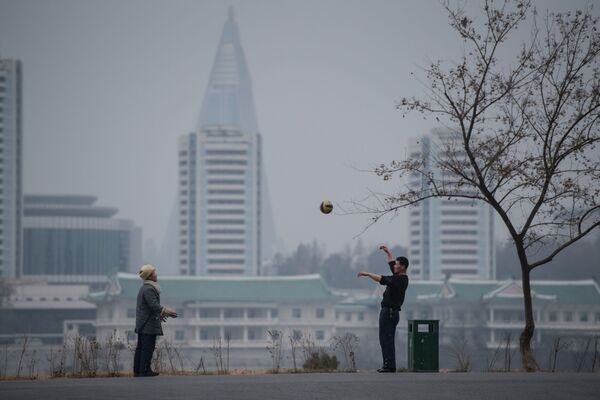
(124, 96)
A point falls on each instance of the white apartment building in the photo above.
(448, 237)
(222, 192)
(11, 170)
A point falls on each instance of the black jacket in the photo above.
(147, 311)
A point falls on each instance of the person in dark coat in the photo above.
(148, 316)
(393, 298)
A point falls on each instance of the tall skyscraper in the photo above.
(221, 175)
(10, 167)
(448, 237)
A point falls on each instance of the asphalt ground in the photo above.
(344, 386)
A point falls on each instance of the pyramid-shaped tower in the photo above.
(224, 218)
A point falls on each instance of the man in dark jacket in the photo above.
(393, 298)
(148, 315)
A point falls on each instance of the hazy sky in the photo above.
(109, 86)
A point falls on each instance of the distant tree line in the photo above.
(337, 269)
(580, 261)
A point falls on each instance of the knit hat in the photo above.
(146, 271)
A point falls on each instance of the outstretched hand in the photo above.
(384, 248)
(361, 274)
(168, 312)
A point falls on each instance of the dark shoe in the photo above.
(383, 370)
(150, 373)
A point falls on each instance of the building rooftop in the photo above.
(64, 206)
(264, 289)
(312, 288)
(456, 290)
(228, 101)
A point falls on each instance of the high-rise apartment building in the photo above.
(10, 167)
(221, 173)
(448, 237)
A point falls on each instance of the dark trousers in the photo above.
(143, 353)
(388, 320)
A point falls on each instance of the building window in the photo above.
(297, 313)
(552, 317)
(257, 313)
(179, 335)
(296, 334)
(320, 313)
(583, 316)
(131, 313)
(568, 316)
(203, 334)
(233, 313)
(598, 317)
(209, 313)
(234, 333)
(274, 313)
(361, 316)
(110, 314)
(348, 316)
(320, 335)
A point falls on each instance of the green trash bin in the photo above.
(423, 345)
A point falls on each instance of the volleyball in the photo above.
(326, 207)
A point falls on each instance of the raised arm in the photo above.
(385, 249)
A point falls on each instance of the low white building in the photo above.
(45, 314)
(244, 309)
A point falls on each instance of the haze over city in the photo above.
(231, 196)
(111, 86)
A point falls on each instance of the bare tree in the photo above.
(294, 343)
(525, 133)
(348, 344)
(557, 347)
(275, 349)
(458, 351)
(23, 351)
(582, 347)
(595, 357)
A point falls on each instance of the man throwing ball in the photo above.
(393, 297)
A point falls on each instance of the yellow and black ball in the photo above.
(326, 207)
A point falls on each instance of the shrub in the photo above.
(320, 360)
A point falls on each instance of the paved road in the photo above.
(455, 386)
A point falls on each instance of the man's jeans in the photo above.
(388, 320)
(143, 353)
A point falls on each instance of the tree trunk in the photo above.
(528, 359)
